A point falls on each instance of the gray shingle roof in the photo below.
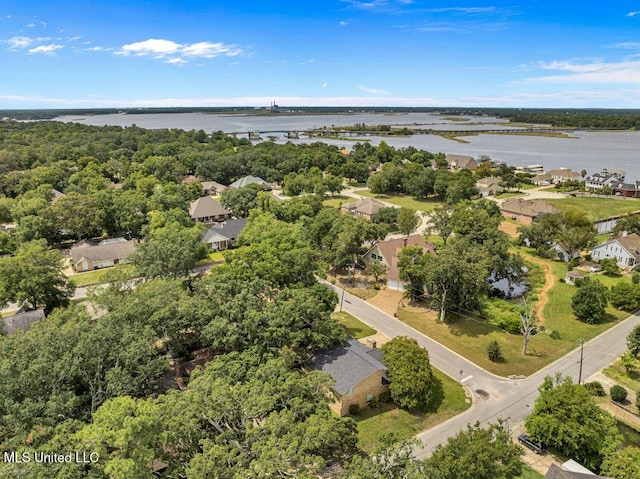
(22, 321)
(248, 180)
(367, 206)
(555, 472)
(230, 229)
(348, 365)
(114, 248)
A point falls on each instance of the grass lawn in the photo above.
(597, 208)
(629, 380)
(355, 328)
(470, 335)
(528, 473)
(96, 277)
(449, 400)
(402, 200)
(336, 200)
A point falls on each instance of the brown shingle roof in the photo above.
(206, 207)
(461, 161)
(389, 250)
(631, 243)
(528, 208)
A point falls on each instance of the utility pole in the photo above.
(342, 298)
(581, 357)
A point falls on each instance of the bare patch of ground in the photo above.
(387, 300)
(543, 293)
(509, 228)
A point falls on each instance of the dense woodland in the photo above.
(106, 377)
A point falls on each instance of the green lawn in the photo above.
(337, 200)
(528, 473)
(597, 208)
(629, 380)
(470, 335)
(449, 400)
(402, 200)
(355, 328)
(97, 276)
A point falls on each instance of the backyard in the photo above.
(405, 201)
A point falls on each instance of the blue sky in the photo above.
(78, 54)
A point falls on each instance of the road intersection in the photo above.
(494, 397)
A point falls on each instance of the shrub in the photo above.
(595, 388)
(373, 403)
(635, 277)
(354, 409)
(638, 401)
(494, 351)
(618, 393)
(384, 396)
(554, 334)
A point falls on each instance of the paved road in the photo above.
(494, 397)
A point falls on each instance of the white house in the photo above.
(626, 250)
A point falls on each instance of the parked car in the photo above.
(526, 441)
(595, 269)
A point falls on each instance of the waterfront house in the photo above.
(460, 162)
(358, 372)
(386, 253)
(223, 235)
(87, 256)
(625, 249)
(365, 208)
(628, 190)
(526, 211)
(563, 174)
(207, 210)
(604, 178)
(543, 179)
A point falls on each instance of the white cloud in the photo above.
(603, 98)
(373, 91)
(597, 72)
(463, 10)
(177, 53)
(155, 47)
(627, 45)
(633, 14)
(21, 41)
(46, 49)
(325, 85)
(343, 23)
(310, 61)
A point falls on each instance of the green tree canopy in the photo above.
(567, 417)
(410, 372)
(590, 301)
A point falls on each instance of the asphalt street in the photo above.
(494, 397)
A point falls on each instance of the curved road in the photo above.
(495, 397)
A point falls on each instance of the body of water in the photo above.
(589, 150)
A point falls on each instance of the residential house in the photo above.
(207, 210)
(213, 188)
(365, 208)
(543, 179)
(489, 186)
(358, 372)
(563, 253)
(571, 470)
(628, 190)
(535, 169)
(22, 320)
(222, 235)
(250, 180)
(386, 253)
(573, 275)
(87, 256)
(563, 174)
(604, 178)
(460, 162)
(625, 249)
(525, 211)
